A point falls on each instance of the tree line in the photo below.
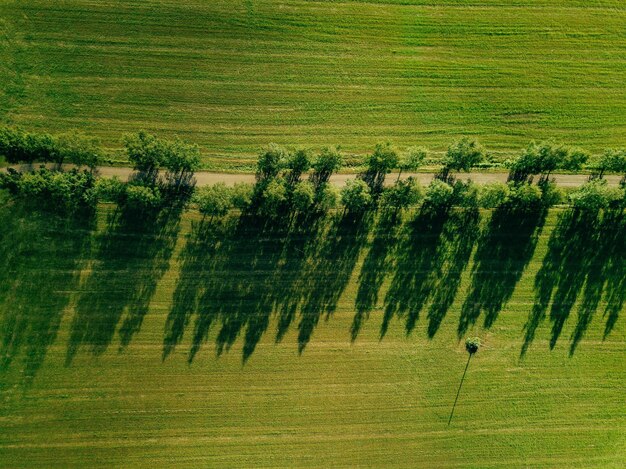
(297, 181)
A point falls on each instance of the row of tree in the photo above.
(298, 181)
(18, 146)
(148, 153)
(164, 176)
(281, 189)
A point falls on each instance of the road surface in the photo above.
(204, 178)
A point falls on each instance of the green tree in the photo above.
(402, 194)
(79, 149)
(611, 161)
(596, 195)
(524, 197)
(575, 159)
(492, 194)
(215, 200)
(328, 161)
(356, 195)
(412, 160)
(462, 155)
(439, 194)
(242, 195)
(379, 164)
(13, 145)
(274, 197)
(298, 163)
(145, 152)
(303, 196)
(270, 162)
(142, 199)
(180, 160)
(326, 197)
(110, 189)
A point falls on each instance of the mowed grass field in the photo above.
(234, 75)
(334, 343)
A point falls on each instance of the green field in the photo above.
(333, 343)
(235, 75)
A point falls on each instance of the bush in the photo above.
(524, 197)
(303, 196)
(402, 194)
(215, 200)
(439, 194)
(274, 197)
(242, 195)
(142, 198)
(356, 196)
(596, 195)
(493, 194)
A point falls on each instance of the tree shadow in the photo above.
(236, 276)
(435, 250)
(376, 266)
(607, 270)
(460, 234)
(132, 255)
(585, 260)
(505, 248)
(40, 261)
(328, 272)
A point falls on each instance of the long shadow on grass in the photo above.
(376, 266)
(40, 262)
(435, 250)
(132, 255)
(585, 261)
(504, 250)
(238, 273)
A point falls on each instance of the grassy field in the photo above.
(334, 344)
(234, 75)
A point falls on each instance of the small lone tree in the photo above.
(472, 344)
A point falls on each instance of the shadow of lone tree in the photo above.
(585, 261)
(505, 248)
